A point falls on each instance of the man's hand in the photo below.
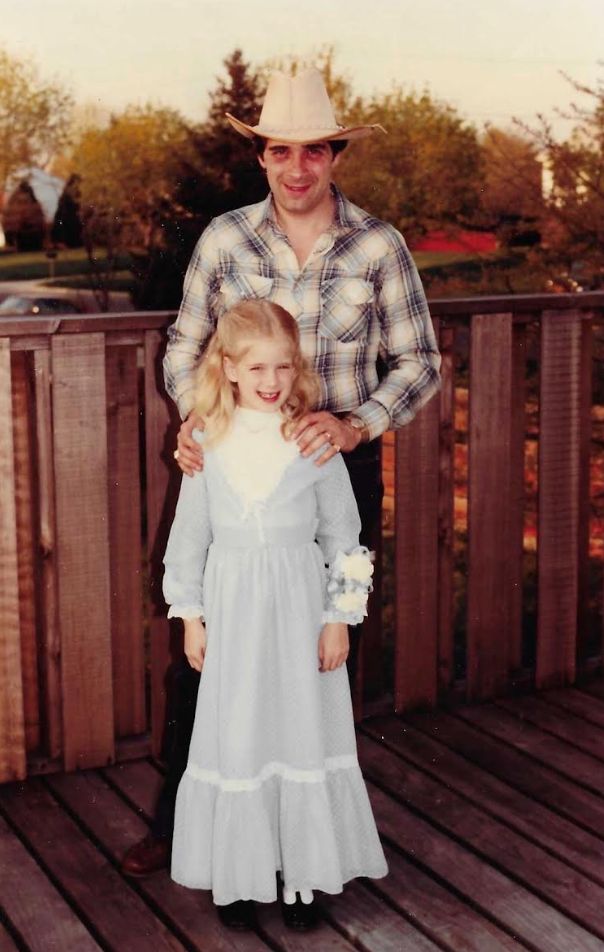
(190, 453)
(333, 645)
(195, 642)
(316, 429)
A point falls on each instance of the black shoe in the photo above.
(300, 916)
(239, 915)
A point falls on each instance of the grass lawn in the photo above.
(32, 265)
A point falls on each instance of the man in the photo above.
(351, 284)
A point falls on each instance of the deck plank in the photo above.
(527, 817)
(590, 708)
(452, 921)
(7, 943)
(36, 910)
(514, 767)
(497, 898)
(139, 782)
(116, 826)
(369, 922)
(563, 724)
(531, 887)
(536, 743)
(105, 903)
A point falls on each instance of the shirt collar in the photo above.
(347, 216)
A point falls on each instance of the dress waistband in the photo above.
(233, 537)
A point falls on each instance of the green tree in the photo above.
(129, 171)
(573, 219)
(511, 195)
(425, 173)
(222, 172)
(34, 116)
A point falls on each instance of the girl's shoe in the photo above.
(299, 916)
(239, 915)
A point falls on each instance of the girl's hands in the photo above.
(195, 642)
(333, 645)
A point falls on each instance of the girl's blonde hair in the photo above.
(249, 320)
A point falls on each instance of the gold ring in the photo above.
(176, 455)
(336, 447)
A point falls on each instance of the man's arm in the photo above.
(408, 346)
(187, 337)
(194, 325)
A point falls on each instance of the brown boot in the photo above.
(147, 856)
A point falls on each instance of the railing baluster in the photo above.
(416, 560)
(12, 728)
(559, 478)
(516, 527)
(80, 457)
(160, 440)
(125, 540)
(22, 433)
(51, 632)
(446, 515)
(489, 549)
(585, 398)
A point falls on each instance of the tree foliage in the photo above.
(425, 173)
(573, 228)
(512, 176)
(34, 116)
(222, 172)
(130, 166)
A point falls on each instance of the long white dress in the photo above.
(273, 782)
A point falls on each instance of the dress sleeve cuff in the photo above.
(348, 586)
(186, 611)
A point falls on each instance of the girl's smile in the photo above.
(264, 373)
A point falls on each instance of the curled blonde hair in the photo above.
(216, 395)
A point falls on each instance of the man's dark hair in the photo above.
(336, 146)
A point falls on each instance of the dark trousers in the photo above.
(364, 468)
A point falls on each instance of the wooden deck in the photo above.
(492, 819)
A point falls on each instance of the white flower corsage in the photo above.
(348, 586)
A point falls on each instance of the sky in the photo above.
(490, 59)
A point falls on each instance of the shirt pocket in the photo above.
(238, 286)
(346, 308)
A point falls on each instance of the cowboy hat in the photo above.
(297, 109)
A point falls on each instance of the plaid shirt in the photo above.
(357, 298)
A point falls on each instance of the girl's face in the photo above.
(264, 374)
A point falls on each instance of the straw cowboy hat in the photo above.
(297, 109)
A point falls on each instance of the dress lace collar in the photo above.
(254, 455)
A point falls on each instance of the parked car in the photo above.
(17, 304)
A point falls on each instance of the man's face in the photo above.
(299, 175)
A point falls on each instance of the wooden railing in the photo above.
(87, 488)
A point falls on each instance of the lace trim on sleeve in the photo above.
(348, 586)
(186, 611)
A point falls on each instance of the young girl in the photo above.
(272, 783)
